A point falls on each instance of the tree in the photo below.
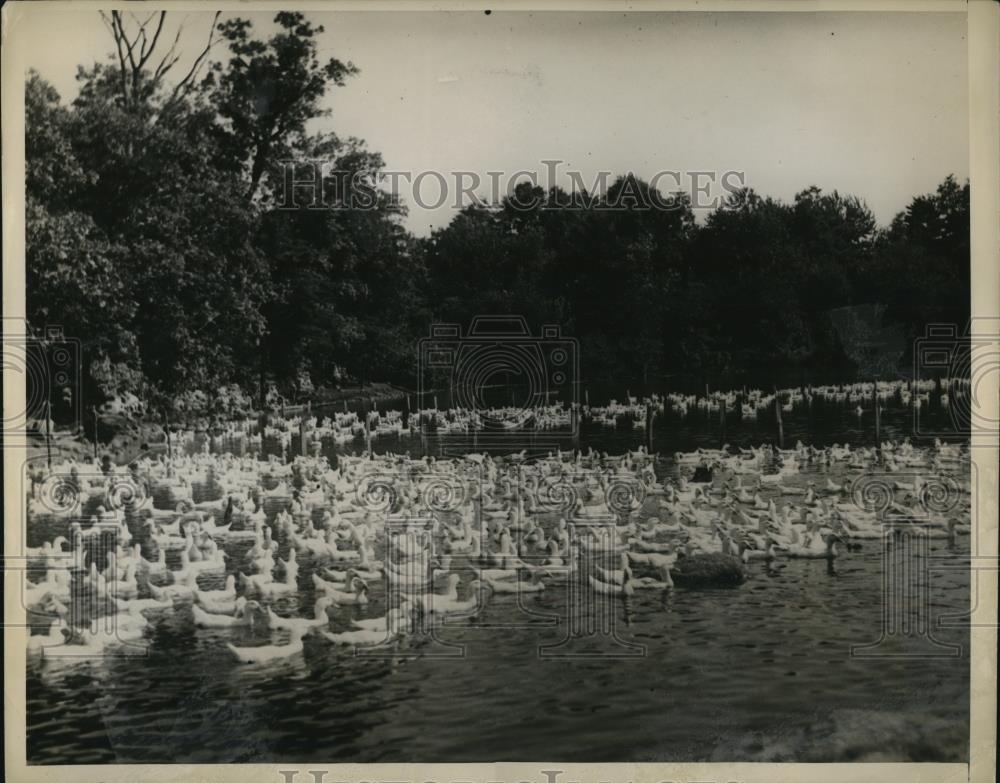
(270, 90)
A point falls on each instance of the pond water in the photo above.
(762, 672)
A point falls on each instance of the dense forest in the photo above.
(154, 237)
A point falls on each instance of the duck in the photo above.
(215, 565)
(219, 605)
(345, 576)
(359, 596)
(53, 637)
(157, 566)
(183, 589)
(508, 586)
(393, 619)
(165, 541)
(268, 652)
(243, 614)
(77, 647)
(819, 548)
(449, 603)
(318, 619)
(362, 637)
(623, 588)
(48, 548)
(145, 604)
(262, 585)
(229, 591)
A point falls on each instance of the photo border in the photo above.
(984, 127)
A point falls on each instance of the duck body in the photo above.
(267, 653)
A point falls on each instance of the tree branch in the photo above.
(143, 58)
(184, 84)
(123, 74)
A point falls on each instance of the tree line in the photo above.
(158, 237)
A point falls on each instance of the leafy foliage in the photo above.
(158, 236)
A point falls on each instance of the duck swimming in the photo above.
(269, 652)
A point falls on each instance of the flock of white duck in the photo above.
(429, 538)
(347, 427)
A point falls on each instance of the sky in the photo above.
(871, 104)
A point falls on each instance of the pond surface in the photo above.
(763, 672)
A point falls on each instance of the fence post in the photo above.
(781, 426)
(878, 418)
(722, 423)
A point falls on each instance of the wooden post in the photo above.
(650, 414)
(345, 405)
(368, 433)
(878, 418)
(781, 427)
(302, 436)
(166, 428)
(93, 409)
(586, 397)
(722, 423)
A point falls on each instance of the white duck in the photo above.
(303, 624)
(243, 615)
(268, 652)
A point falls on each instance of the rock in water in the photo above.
(708, 570)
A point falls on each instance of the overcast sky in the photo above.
(873, 104)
